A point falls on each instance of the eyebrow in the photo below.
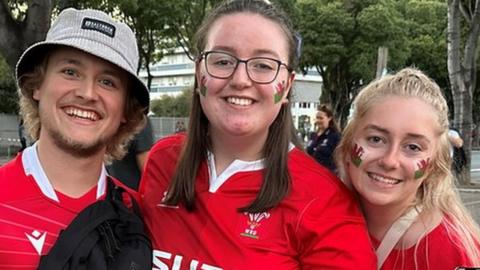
(385, 131)
(76, 62)
(70, 61)
(258, 51)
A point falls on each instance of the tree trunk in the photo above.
(18, 35)
(335, 92)
(462, 73)
(476, 136)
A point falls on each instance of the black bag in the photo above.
(105, 235)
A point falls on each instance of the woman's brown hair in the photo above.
(276, 183)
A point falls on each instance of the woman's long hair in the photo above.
(276, 183)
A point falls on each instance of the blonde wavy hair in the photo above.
(438, 190)
(116, 147)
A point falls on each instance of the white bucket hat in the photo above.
(96, 33)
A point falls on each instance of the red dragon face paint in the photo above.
(356, 154)
(421, 167)
(279, 92)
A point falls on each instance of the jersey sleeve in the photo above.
(332, 235)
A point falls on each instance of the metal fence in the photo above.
(163, 126)
(10, 141)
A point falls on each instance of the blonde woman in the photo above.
(395, 154)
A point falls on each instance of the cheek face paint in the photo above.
(421, 166)
(357, 154)
(279, 91)
(203, 87)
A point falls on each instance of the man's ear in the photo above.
(36, 94)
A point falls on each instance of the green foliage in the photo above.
(427, 22)
(17, 8)
(341, 39)
(169, 106)
(8, 92)
(185, 19)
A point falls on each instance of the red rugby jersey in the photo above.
(30, 219)
(317, 226)
(437, 250)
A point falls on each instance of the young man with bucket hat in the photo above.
(82, 101)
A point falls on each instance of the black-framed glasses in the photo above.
(222, 65)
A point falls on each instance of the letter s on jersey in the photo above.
(158, 264)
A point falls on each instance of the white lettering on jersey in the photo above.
(177, 262)
(37, 239)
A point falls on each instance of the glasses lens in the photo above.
(223, 65)
(220, 65)
(262, 70)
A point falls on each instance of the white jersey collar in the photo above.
(216, 181)
(32, 166)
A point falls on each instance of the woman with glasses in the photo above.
(236, 192)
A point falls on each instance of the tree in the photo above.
(427, 26)
(341, 40)
(169, 106)
(22, 23)
(8, 95)
(151, 21)
(187, 17)
(462, 68)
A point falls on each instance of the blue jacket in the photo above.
(322, 147)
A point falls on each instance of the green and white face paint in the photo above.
(357, 154)
(279, 92)
(421, 167)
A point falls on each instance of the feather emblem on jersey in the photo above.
(253, 222)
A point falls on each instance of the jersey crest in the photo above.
(253, 222)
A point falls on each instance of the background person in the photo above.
(179, 127)
(324, 140)
(129, 169)
(81, 101)
(457, 152)
(234, 192)
(21, 135)
(397, 160)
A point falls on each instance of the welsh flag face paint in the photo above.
(356, 154)
(203, 87)
(279, 92)
(421, 167)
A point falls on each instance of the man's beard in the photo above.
(75, 148)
